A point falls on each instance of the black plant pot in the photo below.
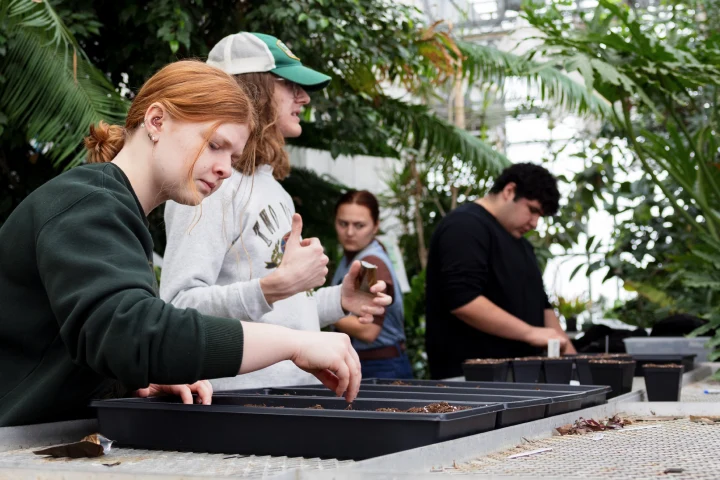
(663, 383)
(558, 370)
(571, 324)
(486, 372)
(582, 367)
(526, 370)
(617, 374)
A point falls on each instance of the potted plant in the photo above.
(569, 309)
(486, 369)
(618, 374)
(663, 382)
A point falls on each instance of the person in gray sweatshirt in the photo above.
(242, 254)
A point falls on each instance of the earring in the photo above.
(152, 137)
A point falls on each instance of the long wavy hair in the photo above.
(267, 138)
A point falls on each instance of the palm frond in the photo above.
(436, 138)
(56, 95)
(41, 16)
(490, 64)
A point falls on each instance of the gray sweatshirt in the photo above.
(216, 254)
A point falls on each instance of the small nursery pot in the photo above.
(558, 370)
(582, 367)
(571, 324)
(527, 369)
(663, 383)
(618, 374)
(486, 370)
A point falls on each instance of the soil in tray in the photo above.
(439, 407)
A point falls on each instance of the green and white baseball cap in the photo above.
(247, 52)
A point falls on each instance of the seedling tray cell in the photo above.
(687, 361)
(228, 426)
(526, 371)
(518, 408)
(593, 394)
(558, 370)
(494, 372)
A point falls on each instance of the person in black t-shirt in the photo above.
(485, 294)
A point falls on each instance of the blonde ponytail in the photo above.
(104, 142)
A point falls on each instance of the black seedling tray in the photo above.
(518, 408)
(228, 426)
(687, 361)
(592, 394)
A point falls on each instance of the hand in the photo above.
(331, 358)
(203, 388)
(303, 266)
(363, 305)
(569, 349)
(539, 336)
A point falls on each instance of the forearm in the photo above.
(275, 287)
(258, 337)
(239, 300)
(350, 325)
(487, 317)
(329, 303)
(552, 321)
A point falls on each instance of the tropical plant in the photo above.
(49, 85)
(571, 307)
(660, 71)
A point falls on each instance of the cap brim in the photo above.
(306, 77)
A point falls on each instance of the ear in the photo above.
(377, 227)
(509, 191)
(156, 118)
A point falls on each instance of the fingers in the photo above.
(184, 392)
(355, 375)
(327, 378)
(342, 372)
(142, 392)
(353, 272)
(382, 300)
(379, 287)
(296, 229)
(204, 391)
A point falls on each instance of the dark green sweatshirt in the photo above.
(79, 305)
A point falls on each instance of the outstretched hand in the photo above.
(363, 305)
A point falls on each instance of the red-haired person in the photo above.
(80, 315)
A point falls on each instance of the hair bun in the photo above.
(104, 142)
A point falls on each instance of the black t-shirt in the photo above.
(472, 255)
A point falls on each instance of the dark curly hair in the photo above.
(532, 182)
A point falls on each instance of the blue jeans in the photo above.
(398, 367)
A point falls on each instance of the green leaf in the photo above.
(42, 93)
(575, 271)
